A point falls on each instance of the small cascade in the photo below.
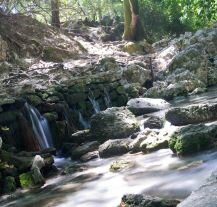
(94, 103)
(40, 127)
(107, 98)
(82, 121)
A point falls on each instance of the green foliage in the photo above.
(160, 17)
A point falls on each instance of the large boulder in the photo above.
(113, 123)
(193, 138)
(192, 114)
(204, 196)
(114, 147)
(138, 200)
(141, 106)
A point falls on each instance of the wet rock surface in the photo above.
(204, 195)
(83, 149)
(137, 200)
(114, 147)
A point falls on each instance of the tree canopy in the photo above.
(159, 17)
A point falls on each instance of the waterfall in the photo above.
(40, 127)
(107, 98)
(82, 121)
(93, 101)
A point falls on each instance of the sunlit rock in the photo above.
(37, 164)
(192, 114)
(141, 106)
(154, 142)
(113, 123)
(134, 146)
(137, 48)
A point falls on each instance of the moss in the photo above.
(120, 165)
(51, 116)
(34, 100)
(26, 180)
(9, 184)
(192, 139)
(121, 90)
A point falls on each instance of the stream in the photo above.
(160, 173)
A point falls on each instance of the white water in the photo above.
(94, 102)
(40, 127)
(107, 98)
(159, 173)
(82, 121)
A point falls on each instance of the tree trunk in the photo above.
(55, 18)
(133, 29)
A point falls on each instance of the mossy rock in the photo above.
(120, 165)
(8, 117)
(34, 100)
(9, 184)
(26, 180)
(193, 138)
(51, 116)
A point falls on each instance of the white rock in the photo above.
(141, 106)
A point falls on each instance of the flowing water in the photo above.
(82, 121)
(107, 98)
(160, 173)
(40, 127)
(94, 102)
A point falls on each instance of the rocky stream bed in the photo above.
(91, 123)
